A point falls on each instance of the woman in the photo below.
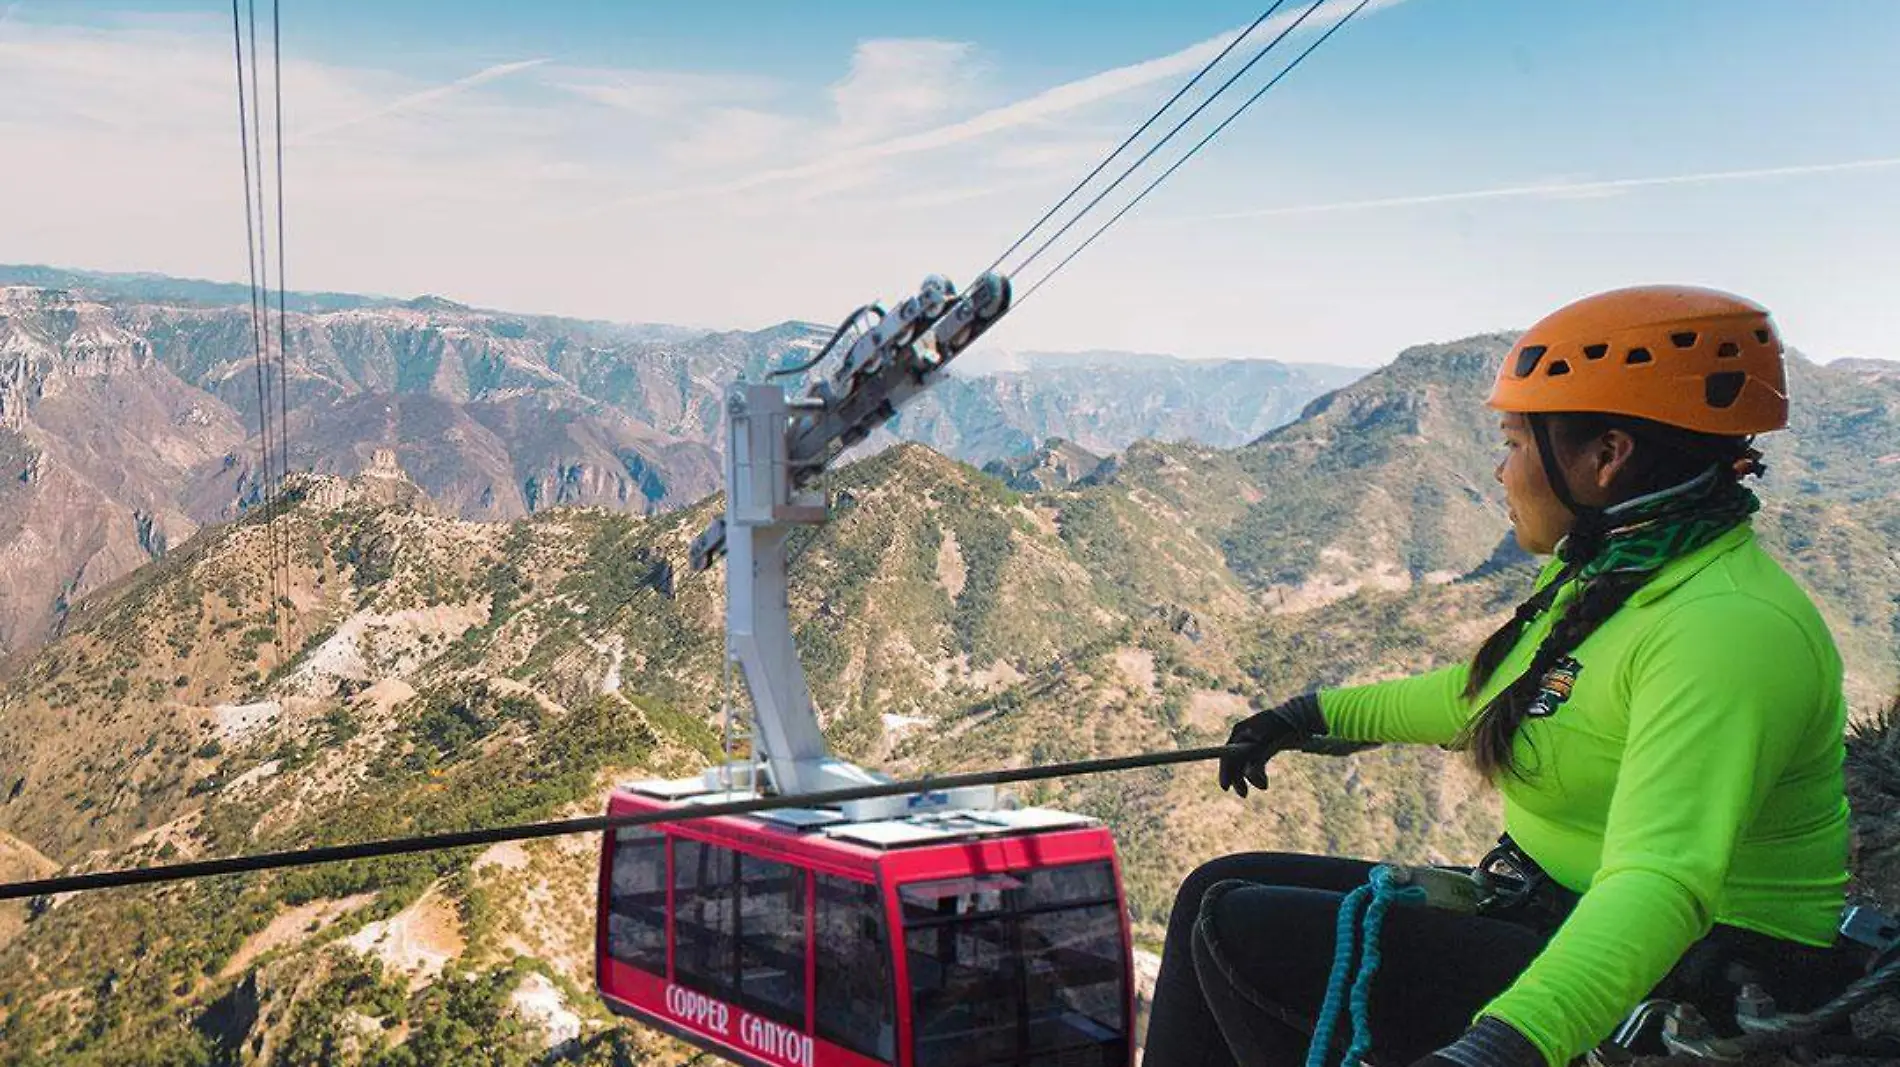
(1663, 717)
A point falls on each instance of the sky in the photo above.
(1437, 168)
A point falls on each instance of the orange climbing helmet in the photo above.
(1697, 359)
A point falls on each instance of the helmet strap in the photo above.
(1553, 471)
(1586, 531)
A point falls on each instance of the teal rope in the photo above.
(1384, 892)
(1361, 918)
(1343, 936)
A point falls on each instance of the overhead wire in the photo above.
(304, 857)
(263, 262)
(1018, 301)
(283, 316)
(1139, 197)
(273, 525)
(1133, 137)
(253, 222)
(1264, 51)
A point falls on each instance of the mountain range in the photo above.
(129, 413)
(427, 670)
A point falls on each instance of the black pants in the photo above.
(1250, 946)
(1247, 988)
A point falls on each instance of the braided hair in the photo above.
(1665, 456)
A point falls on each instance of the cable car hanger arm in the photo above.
(776, 446)
(881, 371)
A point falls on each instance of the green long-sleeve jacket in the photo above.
(1692, 776)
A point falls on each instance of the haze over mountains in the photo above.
(435, 670)
(129, 413)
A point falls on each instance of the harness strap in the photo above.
(1514, 886)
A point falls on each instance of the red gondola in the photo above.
(967, 940)
(916, 931)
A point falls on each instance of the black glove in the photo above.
(1491, 1043)
(1267, 733)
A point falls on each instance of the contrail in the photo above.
(1042, 107)
(1551, 189)
(426, 96)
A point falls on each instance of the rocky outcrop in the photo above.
(385, 484)
(1058, 464)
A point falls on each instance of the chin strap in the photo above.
(1581, 542)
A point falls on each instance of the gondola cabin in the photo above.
(803, 939)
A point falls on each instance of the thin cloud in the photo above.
(900, 82)
(419, 99)
(659, 94)
(731, 135)
(1553, 190)
(1040, 108)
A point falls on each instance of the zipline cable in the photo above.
(1143, 128)
(1262, 91)
(1169, 136)
(592, 824)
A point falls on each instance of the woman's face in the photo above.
(1538, 518)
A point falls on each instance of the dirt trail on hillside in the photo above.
(298, 924)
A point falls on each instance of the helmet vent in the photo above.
(1558, 368)
(1729, 350)
(1762, 336)
(1721, 389)
(1595, 351)
(1638, 355)
(1527, 358)
(1685, 339)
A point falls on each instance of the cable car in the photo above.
(937, 929)
(948, 939)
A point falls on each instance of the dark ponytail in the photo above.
(1491, 737)
(1664, 457)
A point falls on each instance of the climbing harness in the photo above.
(1666, 1025)
(1514, 887)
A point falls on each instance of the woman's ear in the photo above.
(1614, 454)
